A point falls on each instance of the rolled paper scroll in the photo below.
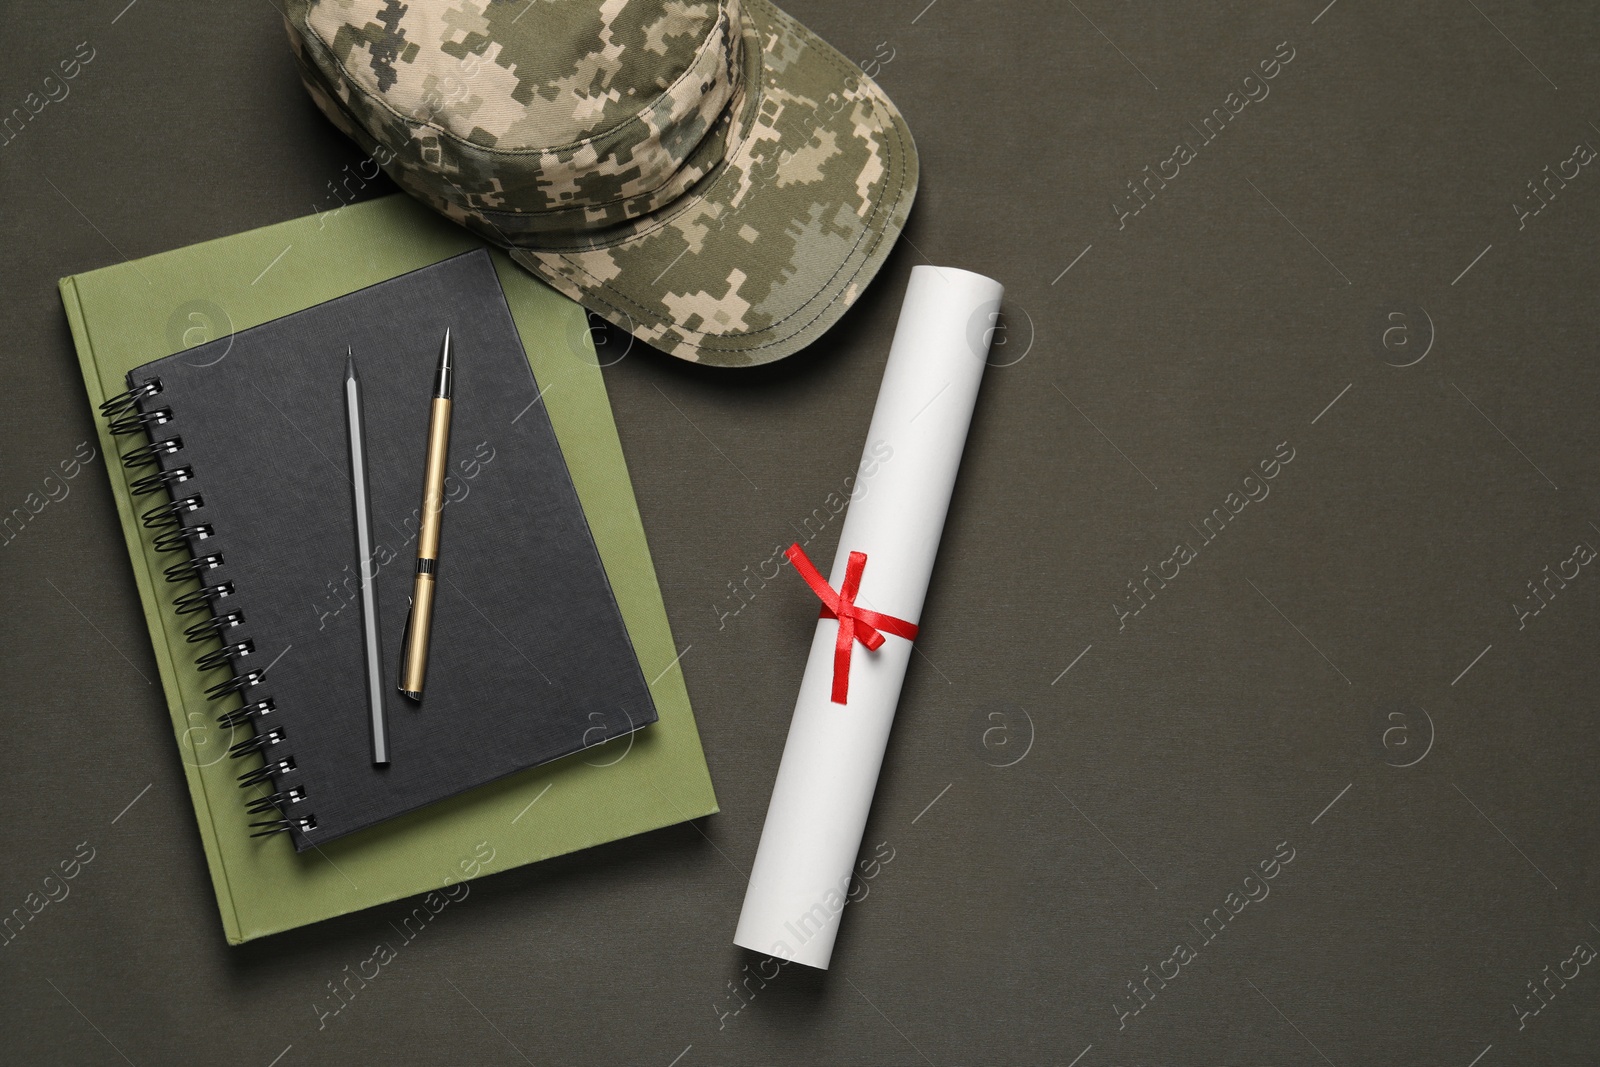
(870, 609)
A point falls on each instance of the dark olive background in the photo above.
(1080, 821)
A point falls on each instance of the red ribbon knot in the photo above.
(855, 623)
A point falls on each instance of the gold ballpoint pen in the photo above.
(419, 624)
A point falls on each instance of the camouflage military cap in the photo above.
(706, 174)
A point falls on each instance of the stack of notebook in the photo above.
(554, 718)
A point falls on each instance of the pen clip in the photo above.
(405, 642)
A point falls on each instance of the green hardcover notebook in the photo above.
(129, 314)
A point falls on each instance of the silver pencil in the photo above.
(371, 633)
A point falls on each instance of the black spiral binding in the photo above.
(179, 530)
(151, 483)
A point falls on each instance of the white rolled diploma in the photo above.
(801, 878)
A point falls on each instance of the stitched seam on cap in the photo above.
(609, 130)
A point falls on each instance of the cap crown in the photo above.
(534, 115)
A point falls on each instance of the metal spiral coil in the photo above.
(153, 483)
(145, 455)
(183, 537)
(141, 420)
(222, 657)
(273, 769)
(127, 401)
(126, 416)
(202, 598)
(237, 684)
(164, 515)
(194, 568)
(259, 743)
(279, 801)
(206, 629)
(249, 713)
(306, 824)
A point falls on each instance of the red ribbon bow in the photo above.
(855, 623)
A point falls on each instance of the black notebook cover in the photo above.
(529, 661)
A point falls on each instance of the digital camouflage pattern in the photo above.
(710, 176)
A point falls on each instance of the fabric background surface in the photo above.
(1351, 671)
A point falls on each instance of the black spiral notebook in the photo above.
(248, 457)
